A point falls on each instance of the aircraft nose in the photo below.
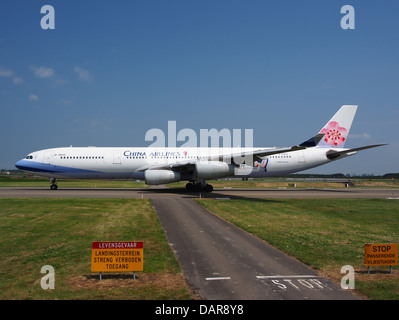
(19, 164)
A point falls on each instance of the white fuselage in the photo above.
(131, 162)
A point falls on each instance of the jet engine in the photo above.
(161, 176)
(213, 169)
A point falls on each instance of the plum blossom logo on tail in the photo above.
(334, 134)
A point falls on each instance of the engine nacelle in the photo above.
(213, 169)
(161, 176)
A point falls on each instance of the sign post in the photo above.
(117, 256)
(381, 255)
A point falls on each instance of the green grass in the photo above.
(59, 232)
(325, 234)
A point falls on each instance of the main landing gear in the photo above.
(199, 186)
(54, 185)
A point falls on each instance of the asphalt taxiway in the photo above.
(219, 260)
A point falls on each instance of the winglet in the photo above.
(313, 141)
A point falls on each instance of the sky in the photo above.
(112, 70)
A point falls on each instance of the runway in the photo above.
(166, 193)
(219, 260)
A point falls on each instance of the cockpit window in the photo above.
(29, 157)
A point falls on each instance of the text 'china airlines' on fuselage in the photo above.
(196, 165)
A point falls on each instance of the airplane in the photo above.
(158, 166)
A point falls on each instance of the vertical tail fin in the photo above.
(337, 128)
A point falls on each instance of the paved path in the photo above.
(221, 261)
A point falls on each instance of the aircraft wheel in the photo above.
(208, 188)
(53, 187)
(189, 186)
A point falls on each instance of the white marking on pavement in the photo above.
(292, 276)
(218, 278)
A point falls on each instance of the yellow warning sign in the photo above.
(381, 254)
(117, 256)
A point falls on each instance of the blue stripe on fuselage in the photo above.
(48, 168)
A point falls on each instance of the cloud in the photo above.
(83, 74)
(17, 80)
(64, 101)
(33, 97)
(42, 72)
(360, 136)
(7, 73)
(93, 125)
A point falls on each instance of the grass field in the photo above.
(325, 234)
(59, 232)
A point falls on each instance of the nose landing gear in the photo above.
(54, 185)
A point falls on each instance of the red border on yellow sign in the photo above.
(117, 256)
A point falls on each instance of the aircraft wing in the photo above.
(256, 155)
(333, 154)
(188, 165)
(176, 166)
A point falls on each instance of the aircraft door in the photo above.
(301, 157)
(117, 158)
(47, 157)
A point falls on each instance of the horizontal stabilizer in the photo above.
(332, 154)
